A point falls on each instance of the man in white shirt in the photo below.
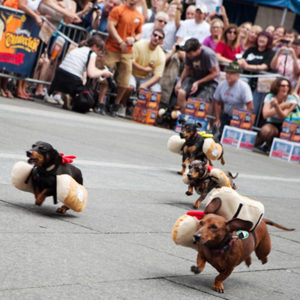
(194, 28)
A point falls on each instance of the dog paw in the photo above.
(61, 210)
(179, 172)
(195, 269)
(188, 193)
(218, 288)
(197, 204)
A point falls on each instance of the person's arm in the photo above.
(85, 10)
(275, 62)
(146, 85)
(96, 18)
(186, 72)
(224, 16)
(213, 73)
(139, 67)
(250, 106)
(23, 6)
(217, 112)
(282, 109)
(94, 72)
(296, 68)
(111, 28)
(223, 59)
(53, 4)
(144, 10)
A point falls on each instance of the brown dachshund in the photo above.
(203, 178)
(219, 245)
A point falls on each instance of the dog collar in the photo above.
(223, 248)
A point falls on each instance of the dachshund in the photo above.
(192, 148)
(47, 163)
(220, 245)
(203, 178)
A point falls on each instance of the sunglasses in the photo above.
(162, 21)
(157, 36)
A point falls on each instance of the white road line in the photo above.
(106, 164)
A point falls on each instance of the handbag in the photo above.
(294, 116)
(84, 100)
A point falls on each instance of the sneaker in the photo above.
(49, 99)
(99, 108)
(114, 109)
(262, 149)
(58, 99)
(121, 111)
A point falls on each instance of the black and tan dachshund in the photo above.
(203, 178)
(192, 148)
(47, 164)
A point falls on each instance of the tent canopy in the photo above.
(293, 5)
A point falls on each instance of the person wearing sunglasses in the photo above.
(160, 22)
(277, 105)
(147, 66)
(229, 46)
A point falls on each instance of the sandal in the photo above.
(9, 94)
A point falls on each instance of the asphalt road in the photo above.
(120, 246)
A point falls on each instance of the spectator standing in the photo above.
(255, 60)
(190, 12)
(286, 62)
(252, 37)
(194, 28)
(199, 76)
(277, 105)
(270, 29)
(160, 22)
(124, 27)
(244, 29)
(229, 46)
(216, 30)
(147, 67)
(156, 6)
(232, 93)
(278, 35)
(100, 16)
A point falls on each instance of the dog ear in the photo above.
(198, 125)
(213, 206)
(238, 224)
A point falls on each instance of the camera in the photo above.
(284, 41)
(178, 48)
(95, 6)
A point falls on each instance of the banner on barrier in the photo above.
(19, 42)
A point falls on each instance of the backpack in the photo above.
(83, 101)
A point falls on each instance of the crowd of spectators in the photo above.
(177, 48)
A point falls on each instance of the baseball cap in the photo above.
(202, 7)
(234, 67)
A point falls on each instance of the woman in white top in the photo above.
(277, 105)
(69, 76)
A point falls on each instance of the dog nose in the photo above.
(189, 175)
(28, 153)
(197, 237)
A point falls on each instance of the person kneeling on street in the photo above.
(70, 74)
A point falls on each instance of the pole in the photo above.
(283, 16)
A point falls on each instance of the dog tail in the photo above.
(269, 222)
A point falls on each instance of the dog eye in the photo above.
(213, 227)
(200, 223)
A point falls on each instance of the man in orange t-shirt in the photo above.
(124, 28)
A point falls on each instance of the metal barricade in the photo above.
(71, 34)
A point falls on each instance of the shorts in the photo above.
(205, 91)
(137, 81)
(123, 62)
